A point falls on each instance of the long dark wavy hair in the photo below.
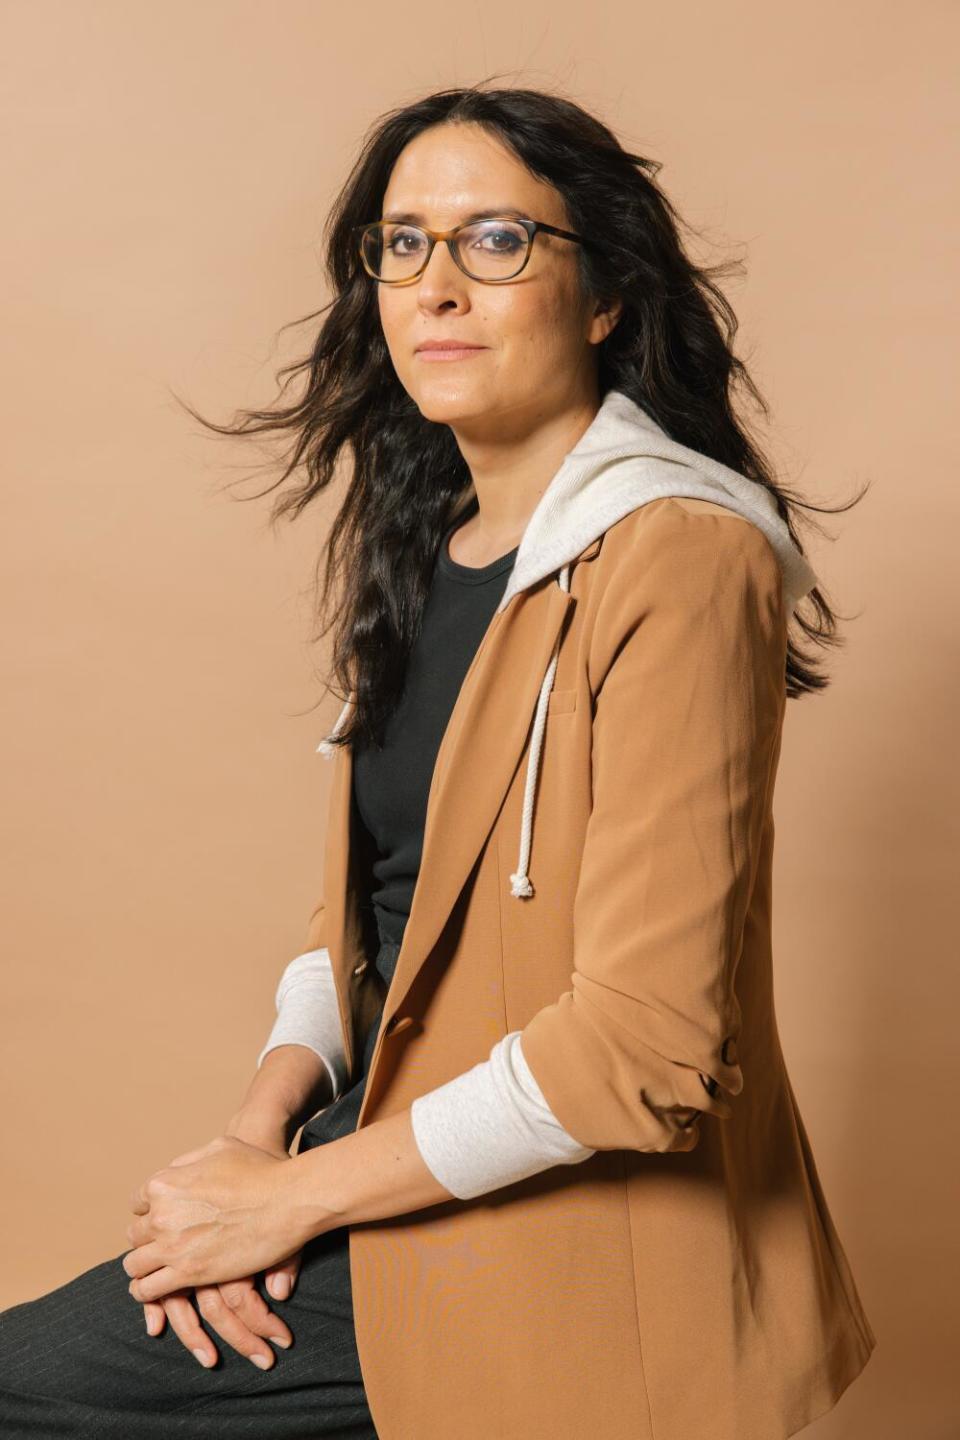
(671, 352)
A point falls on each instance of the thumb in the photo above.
(189, 1156)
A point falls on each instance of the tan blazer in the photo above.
(686, 1282)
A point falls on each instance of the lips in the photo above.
(449, 345)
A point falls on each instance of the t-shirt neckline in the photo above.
(471, 574)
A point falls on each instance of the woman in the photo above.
(553, 1180)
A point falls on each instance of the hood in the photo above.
(622, 461)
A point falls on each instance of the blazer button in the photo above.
(398, 1022)
(728, 1051)
(359, 969)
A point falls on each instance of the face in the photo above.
(538, 333)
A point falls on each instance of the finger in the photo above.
(142, 1261)
(238, 1313)
(185, 1321)
(254, 1311)
(280, 1279)
(140, 1231)
(155, 1317)
(157, 1285)
(138, 1201)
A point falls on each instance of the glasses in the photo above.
(488, 250)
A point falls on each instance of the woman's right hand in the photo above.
(234, 1308)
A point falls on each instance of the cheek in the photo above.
(389, 311)
(541, 326)
(395, 323)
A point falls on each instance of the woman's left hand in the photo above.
(219, 1213)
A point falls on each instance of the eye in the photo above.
(405, 242)
(503, 241)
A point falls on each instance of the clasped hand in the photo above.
(215, 1214)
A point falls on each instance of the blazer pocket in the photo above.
(561, 701)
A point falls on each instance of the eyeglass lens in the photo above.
(488, 249)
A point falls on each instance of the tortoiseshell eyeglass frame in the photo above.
(433, 236)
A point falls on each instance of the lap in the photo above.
(78, 1361)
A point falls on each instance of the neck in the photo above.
(510, 476)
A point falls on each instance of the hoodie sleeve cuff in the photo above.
(491, 1126)
(307, 1014)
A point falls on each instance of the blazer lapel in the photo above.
(343, 897)
(475, 764)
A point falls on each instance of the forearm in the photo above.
(291, 1084)
(370, 1174)
(486, 1128)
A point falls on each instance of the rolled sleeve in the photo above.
(307, 1014)
(491, 1126)
(690, 650)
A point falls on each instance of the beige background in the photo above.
(166, 171)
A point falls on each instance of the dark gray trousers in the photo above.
(78, 1361)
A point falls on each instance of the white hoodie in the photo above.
(491, 1126)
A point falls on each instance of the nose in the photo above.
(442, 277)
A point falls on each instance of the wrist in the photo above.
(290, 1084)
(367, 1174)
(312, 1202)
(263, 1123)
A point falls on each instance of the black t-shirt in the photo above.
(391, 785)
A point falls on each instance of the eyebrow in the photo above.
(413, 217)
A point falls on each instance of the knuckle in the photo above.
(209, 1302)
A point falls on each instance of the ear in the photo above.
(604, 320)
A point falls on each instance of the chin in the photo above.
(446, 403)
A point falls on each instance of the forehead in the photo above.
(452, 173)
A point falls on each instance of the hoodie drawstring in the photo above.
(520, 886)
(326, 747)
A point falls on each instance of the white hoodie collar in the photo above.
(622, 461)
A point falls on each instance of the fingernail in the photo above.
(262, 1361)
(204, 1358)
(151, 1324)
(279, 1286)
(281, 1340)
